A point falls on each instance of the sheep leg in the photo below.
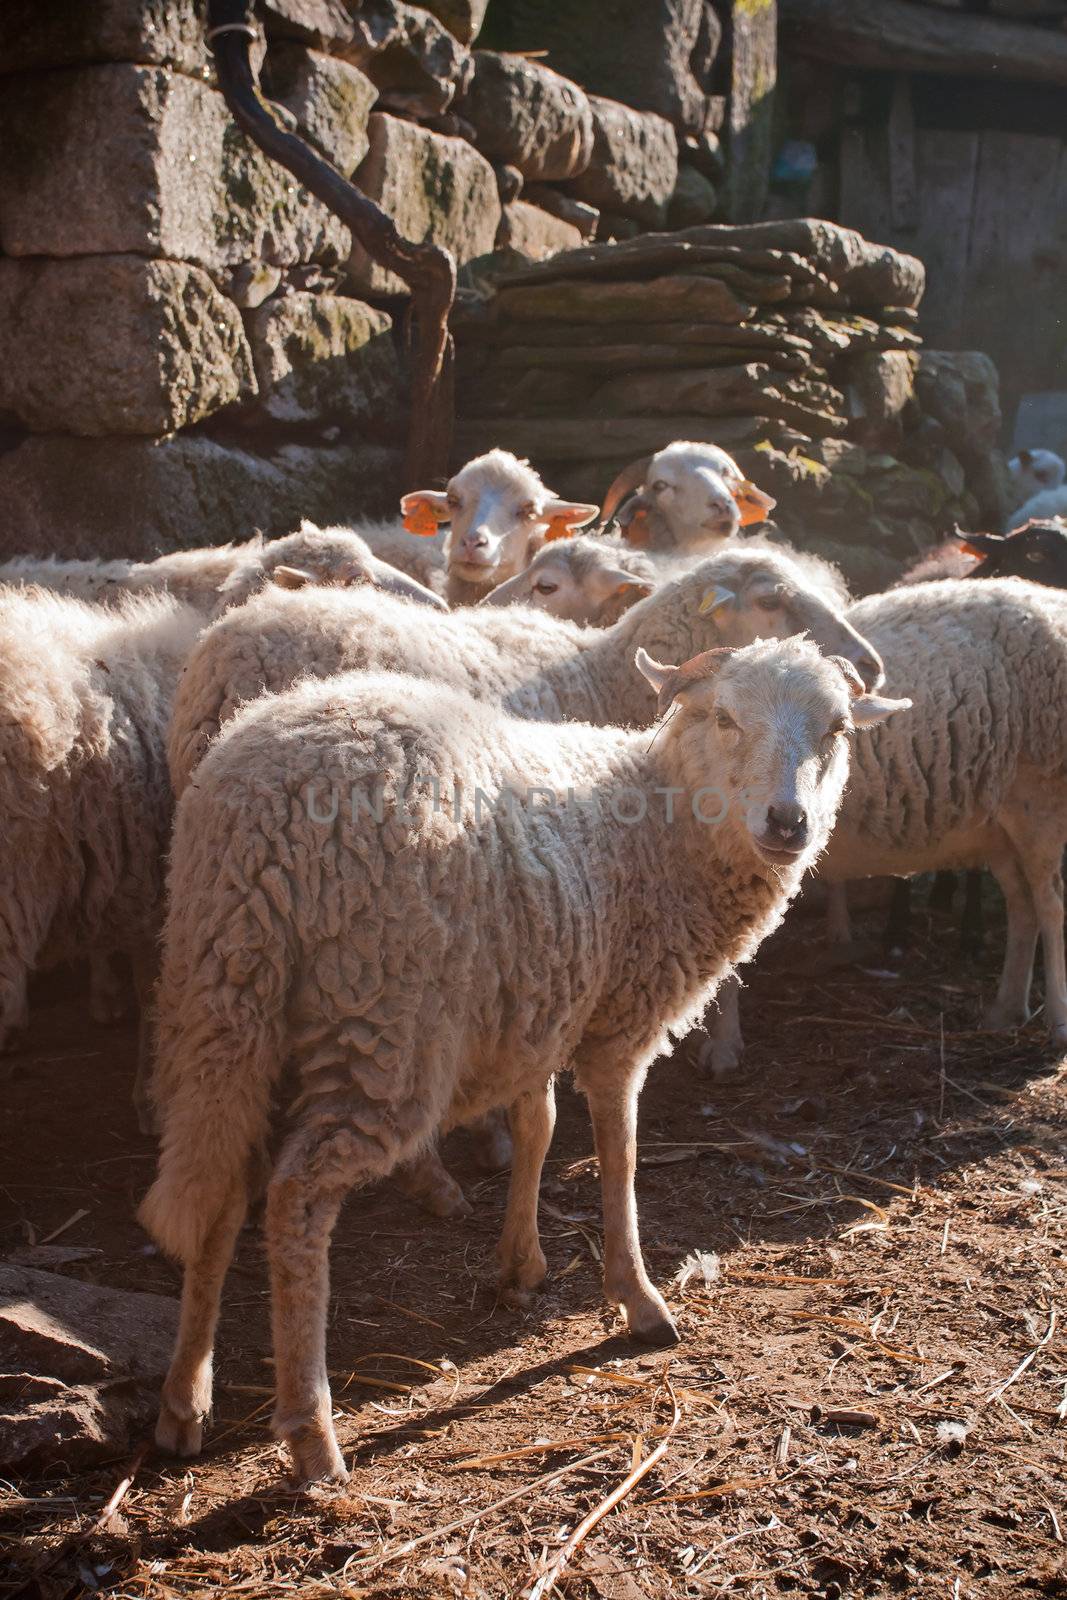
(1041, 860)
(838, 922)
(1010, 1008)
(972, 921)
(897, 936)
(109, 997)
(145, 965)
(522, 1264)
(723, 1044)
(186, 1400)
(428, 1182)
(24, 920)
(612, 1101)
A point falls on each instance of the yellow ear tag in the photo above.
(558, 528)
(713, 598)
(419, 518)
(637, 531)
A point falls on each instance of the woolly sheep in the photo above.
(85, 696)
(1035, 470)
(980, 779)
(1047, 506)
(587, 580)
(687, 496)
(214, 577)
(353, 896)
(499, 514)
(535, 665)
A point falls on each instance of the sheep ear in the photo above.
(982, 544)
(752, 503)
(293, 577)
(850, 675)
(870, 709)
(1024, 458)
(607, 582)
(670, 682)
(568, 514)
(423, 510)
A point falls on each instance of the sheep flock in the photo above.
(392, 824)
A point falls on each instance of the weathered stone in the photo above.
(433, 188)
(564, 206)
(508, 182)
(322, 358)
(326, 24)
(464, 18)
(534, 233)
(961, 389)
(753, 30)
(693, 201)
(113, 159)
(252, 283)
(82, 1332)
(527, 115)
(652, 54)
(117, 344)
(583, 437)
(68, 33)
(329, 99)
(717, 391)
(704, 152)
(140, 497)
(675, 299)
(612, 228)
(416, 64)
(634, 166)
(881, 386)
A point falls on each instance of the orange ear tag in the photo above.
(637, 530)
(419, 518)
(752, 509)
(558, 528)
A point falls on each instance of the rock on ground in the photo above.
(433, 187)
(81, 1364)
(139, 497)
(534, 233)
(108, 159)
(634, 166)
(529, 116)
(322, 358)
(117, 344)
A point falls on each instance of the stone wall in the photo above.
(190, 345)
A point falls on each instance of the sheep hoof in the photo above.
(1005, 1019)
(1059, 1036)
(517, 1296)
(179, 1436)
(448, 1203)
(719, 1060)
(652, 1323)
(316, 1456)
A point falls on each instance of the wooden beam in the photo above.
(896, 36)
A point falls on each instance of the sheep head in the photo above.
(582, 580)
(689, 495)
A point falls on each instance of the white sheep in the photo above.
(688, 496)
(1047, 506)
(85, 698)
(533, 664)
(1035, 470)
(980, 778)
(213, 577)
(499, 514)
(426, 908)
(587, 580)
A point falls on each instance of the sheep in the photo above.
(214, 577)
(425, 908)
(499, 515)
(587, 580)
(1035, 470)
(980, 778)
(86, 695)
(535, 665)
(688, 497)
(1048, 506)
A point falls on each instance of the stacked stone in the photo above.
(793, 344)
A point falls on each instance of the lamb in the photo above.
(535, 665)
(214, 577)
(86, 696)
(499, 515)
(688, 497)
(1048, 506)
(587, 580)
(427, 908)
(1035, 470)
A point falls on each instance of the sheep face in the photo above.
(1037, 551)
(575, 580)
(500, 514)
(772, 718)
(691, 496)
(333, 557)
(1034, 470)
(764, 602)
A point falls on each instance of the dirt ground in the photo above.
(885, 1191)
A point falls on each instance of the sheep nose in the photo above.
(475, 539)
(786, 821)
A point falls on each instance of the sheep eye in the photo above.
(659, 486)
(1033, 555)
(726, 722)
(836, 730)
(530, 513)
(769, 602)
(453, 500)
(543, 587)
